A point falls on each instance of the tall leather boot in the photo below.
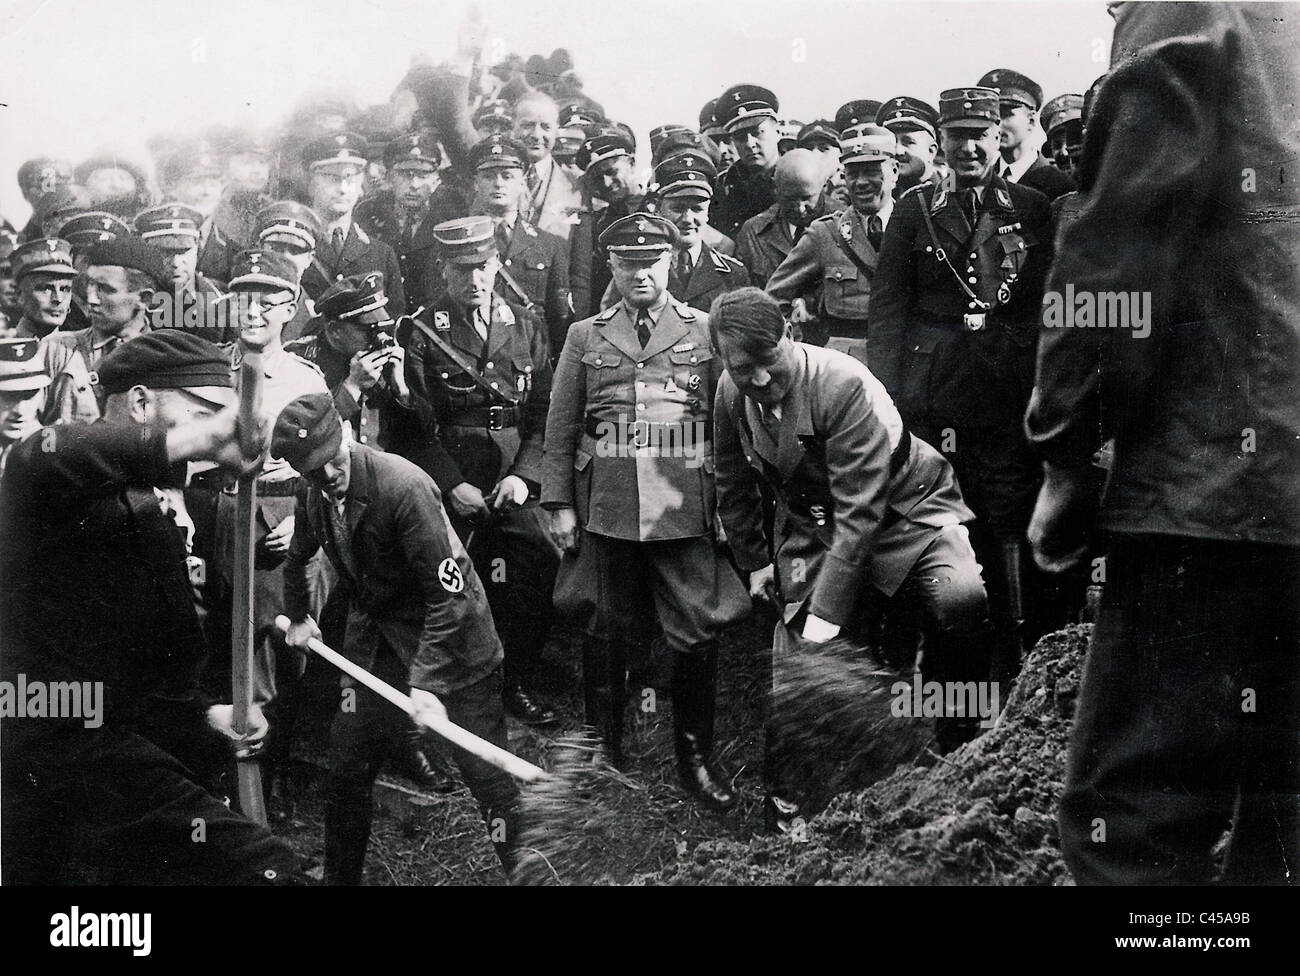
(503, 830)
(694, 677)
(410, 761)
(348, 809)
(604, 693)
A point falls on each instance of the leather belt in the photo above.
(965, 322)
(486, 418)
(644, 433)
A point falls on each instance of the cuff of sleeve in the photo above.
(836, 591)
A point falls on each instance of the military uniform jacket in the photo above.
(378, 419)
(589, 274)
(416, 259)
(937, 368)
(409, 579)
(742, 192)
(361, 255)
(538, 262)
(607, 383)
(817, 263)
(712, 275)
(849, 513)
(216, 253)
(516, 369)
(1044, 177)
(763, 243)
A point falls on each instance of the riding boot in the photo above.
(604, 693)
(694, 677)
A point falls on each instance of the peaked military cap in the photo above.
(816, 131)
(91, 226)
(857, 112)
(50, 255)
(171, 226)
(289, 222)
(259, 266)
(640, 236)
(335, 149)
(903, 112)
(709, 124)
(495, 116)
(308, 433)
(1014, 87)
(685, 174)
(741, 106)
(579, 116)
(1060, 110)
(466, 240)
(661, 132)
(190, 160)
(414, 150)
(608, 144)
(969, 107)
(867, 144)
(352, 296)
(499, 151)
(22, 369)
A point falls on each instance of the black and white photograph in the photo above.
(744, 444)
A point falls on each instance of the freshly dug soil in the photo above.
(984, 815)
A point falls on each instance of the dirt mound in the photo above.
(983, 815)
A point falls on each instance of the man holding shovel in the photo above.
(418, 618)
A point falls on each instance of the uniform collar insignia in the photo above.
(609, 313)
(1004, 198)
(940, 199)
(684, 311)
(504, 314)
(719, 262)
(441, 320)
(846, 228)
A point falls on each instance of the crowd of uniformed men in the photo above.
(507, 374)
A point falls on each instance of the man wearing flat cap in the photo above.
(827, 275)
(748, 114)
(1019, 99)
(336, 166)
(628, 479)
(682, 193)
(97, 589)
(404, 216)
(480, 364)
(915, 124)
(123, 277)
(954, 318)
(534, 270)
(607, 160)
(293, 230)
(418, 618)
(193, 300)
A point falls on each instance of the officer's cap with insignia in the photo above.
(131, 252)
(1014, 88)
(867, 144)
(743, 106)
(608, 144)
(640, 237)
(289, 222)
(661, 132)
(171, 226)
(495, 116)
(308, 433)
(353, 296)
(687, 143)
(499, 152)
(48, 255)
(817, 131)
(61, 204)
(969, 108)
(91, 227)
(335, 149)
(1060, 110)
(903, 113)
(416, 151)
(579, 116)
(709, 124)
(685, 175)
(259, 268)
(466, 240)
(192, 160)
(857, 112)
(22, 369)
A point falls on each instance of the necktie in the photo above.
(643, 326)
(534, 183)
(503, 239)
(970, 205)
(875, 231)
(1006, 172)
(408, 232)
(684, 266)
(336, 239)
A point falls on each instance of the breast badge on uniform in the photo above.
(441, 321)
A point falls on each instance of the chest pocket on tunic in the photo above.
(839, 284)
(606, 377)
(690, 374)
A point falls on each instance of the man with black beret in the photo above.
(97, 590)
(123, 276)
(418, 618)
(1019, 99)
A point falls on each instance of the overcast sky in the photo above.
(81, 75)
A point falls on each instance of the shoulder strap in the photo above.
(520, 296)
(942, 255)
(460, 359)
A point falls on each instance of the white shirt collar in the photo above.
(1020, 167)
